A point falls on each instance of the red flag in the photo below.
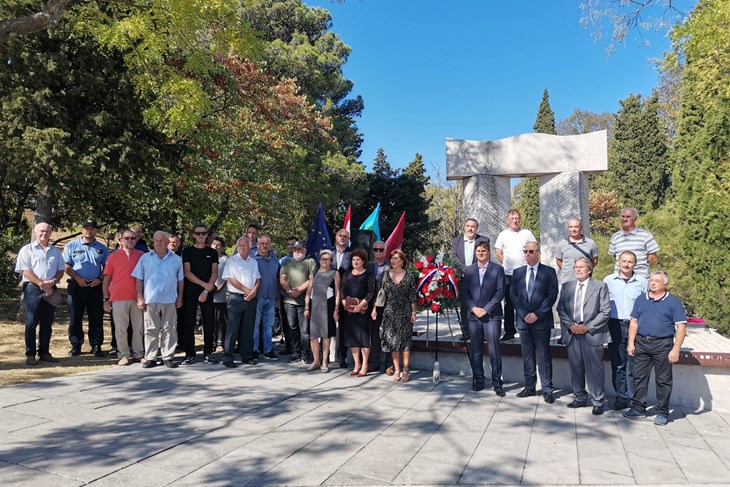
(346, 225)
(396, 238)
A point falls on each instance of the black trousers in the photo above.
(509, 309)
(221, 319)
(190, 314)
(239, 333)
(651, 353)
(89, 299)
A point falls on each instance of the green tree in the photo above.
(74, 139)
(300, 45)
(527, 192)
(585, 121)
(445, 207)
(412, 198)
(639, 165)
(397, 191)
(701, 178)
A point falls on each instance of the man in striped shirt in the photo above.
(637, 240)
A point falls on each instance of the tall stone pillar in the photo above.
(562, 196)
(487, 198)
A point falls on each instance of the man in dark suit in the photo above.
(483, 290)
(463, 249)
(584, 309)
(341, 249)
(341, 263)
(533, 291)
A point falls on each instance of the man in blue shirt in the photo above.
(85, 259)
(41, 265)
(268, 296)
(653, 344)
(624, 287)
(160, 278)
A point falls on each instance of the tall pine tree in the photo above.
(638, 165)
(527, 191)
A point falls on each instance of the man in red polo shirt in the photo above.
(120, 298)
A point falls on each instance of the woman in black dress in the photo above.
(399, 314)
(357, 292)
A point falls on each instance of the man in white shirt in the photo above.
(41, 265)
(509, 249)
(243, 279)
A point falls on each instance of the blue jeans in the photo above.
(621, 363)
(264, 321)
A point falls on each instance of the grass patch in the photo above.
(12, 347)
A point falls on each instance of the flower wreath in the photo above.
(438, 282)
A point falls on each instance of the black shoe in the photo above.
(577, 404)
(499, 391)
(190, 360)
(634, 414)
(506, 338)
(30, 360)
(548, 397)
(170, 364)
(47, 357)
(597, 410)
(113, 351)
(271, 356)
(256, 355)
(209, 359)
(308, 360)
(252, 361)
(149, 364)
(229, 364)
(478, 386)
(97, 351)
(527, 392)
(620, 404)
(74, 352)
(343, 364)
(293, 358)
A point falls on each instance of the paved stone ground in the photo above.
(276, 423)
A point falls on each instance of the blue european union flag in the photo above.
(318, 237)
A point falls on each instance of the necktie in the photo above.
(578, 308)
(531, 283)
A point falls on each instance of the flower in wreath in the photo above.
(438, 282)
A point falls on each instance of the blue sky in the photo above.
(476, 69)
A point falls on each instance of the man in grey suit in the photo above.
(463, 249)
(584, 308)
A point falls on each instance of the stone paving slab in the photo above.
(278, 424)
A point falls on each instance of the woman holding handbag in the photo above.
(399, 314)
(357, 293)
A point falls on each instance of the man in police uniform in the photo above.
(85, 259)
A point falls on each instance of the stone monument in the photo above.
(562, 163)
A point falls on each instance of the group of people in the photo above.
(154, 298)
(630, 310)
